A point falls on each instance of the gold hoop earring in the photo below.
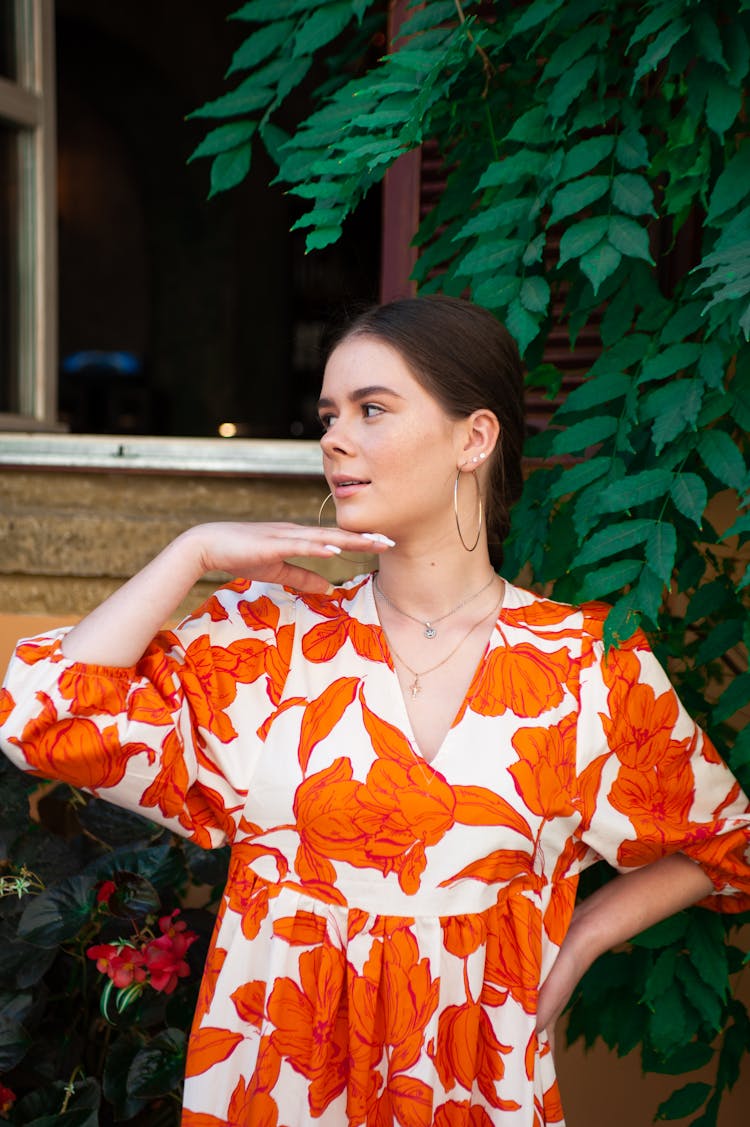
(320, 510)
(455, 510)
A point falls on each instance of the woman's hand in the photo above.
(260, 551)
(118, 632)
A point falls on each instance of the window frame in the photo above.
(27, 104)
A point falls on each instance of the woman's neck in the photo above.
(428, 583)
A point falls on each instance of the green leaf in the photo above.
(531, 127)
(629, 238)
(636, 489)
(326, 22)
(497, 292)
(322, 237)
(624, 354)
(157, 1069)
(613, 577)
(631, 150)
(632, 194)
(586, 155)
(598, 389)
(14, 1043)
(721, 456)
(59, 913)
(535, 13)
(733, 185)
(578, 437)
(723, 105)
(609, 541)
(670, 1024)
(658, 50)
(721, 639)
(501, 217)
(521, 325)
(229, 169)
(535, 294)
(259, 46)
(576, 196)
(224, 138)
(599, 263)
(670, 360)
(661, 550)
(572, 49)
(571, 85)
(735, 696)
(578, 476)
(690, 496)
(490, 255)
(674, 408)
(684, 1101)
(581, 237)
(622, 621)
(511, 169)
(707, 600)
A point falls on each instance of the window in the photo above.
(27, 217)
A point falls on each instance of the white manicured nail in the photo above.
(332, 548)
(379, 538)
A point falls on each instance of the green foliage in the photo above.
(584, 142)
(63, 1061)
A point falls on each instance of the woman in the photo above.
(413, 768)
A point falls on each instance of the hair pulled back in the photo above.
(467, 361)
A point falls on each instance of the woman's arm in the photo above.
(616, 912)
(119, 630)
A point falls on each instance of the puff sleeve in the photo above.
(661, 786)
(175, 737)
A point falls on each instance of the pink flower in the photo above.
(122, 962)
(165, 957)
(7, 1099)
(104, 891)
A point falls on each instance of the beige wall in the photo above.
(67, 539)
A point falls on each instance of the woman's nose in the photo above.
(336, 439)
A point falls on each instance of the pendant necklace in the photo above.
(429, 625)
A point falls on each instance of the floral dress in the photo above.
(386, 922)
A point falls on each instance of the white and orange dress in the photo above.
(386, 922)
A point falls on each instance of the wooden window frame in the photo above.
(27, 104)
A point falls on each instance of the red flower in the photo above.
(165, 956)
(7, 1099)
(122, 962)
(104, 891)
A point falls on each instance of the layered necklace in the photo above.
(415, 687)
(429, 625)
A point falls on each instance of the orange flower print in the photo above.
(91, 695)
(310, 1026)
(538, 613)
(640, 724)
(324, 640)
(76, 751)
(461, 1113)
(406, 1101)
(657, 802)
(520, 678)
(513, 958)
(208, 1046)
(545, 776)
(304, 929)
(247, 895)
(32, 652)
(409, 996)
(323, 714)
(463, 935)
(169, 788)
(468, 1050)
(246, 1109)
(249, 1002)
(7, 705)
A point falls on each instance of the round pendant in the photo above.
(429, 631)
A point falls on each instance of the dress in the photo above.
(386, 923)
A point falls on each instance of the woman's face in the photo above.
(390, 451)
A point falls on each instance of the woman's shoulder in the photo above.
(537, 611)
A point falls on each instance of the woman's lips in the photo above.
(349, 488)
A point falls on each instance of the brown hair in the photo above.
(468, 361)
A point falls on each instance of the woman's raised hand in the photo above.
(261, 551)
(118, 632)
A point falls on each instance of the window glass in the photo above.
(8, 67)
(8, 267)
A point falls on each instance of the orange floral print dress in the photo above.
(386, 923)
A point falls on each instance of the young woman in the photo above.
(412, 768)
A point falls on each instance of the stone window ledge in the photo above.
(211, 456)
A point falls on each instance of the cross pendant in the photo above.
(415, 688)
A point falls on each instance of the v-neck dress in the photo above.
(386, 922)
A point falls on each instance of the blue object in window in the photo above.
(87, 360)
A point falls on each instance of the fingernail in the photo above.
(379, 538)
(331, 589)
(332, 548)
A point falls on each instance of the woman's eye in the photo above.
(370, 410)
(325, 421)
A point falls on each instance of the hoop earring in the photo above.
(455, 510)
(320, 510)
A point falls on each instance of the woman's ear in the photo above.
(481, 431)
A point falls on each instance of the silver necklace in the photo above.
(429, 626)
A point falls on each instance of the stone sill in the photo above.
(241, 457)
